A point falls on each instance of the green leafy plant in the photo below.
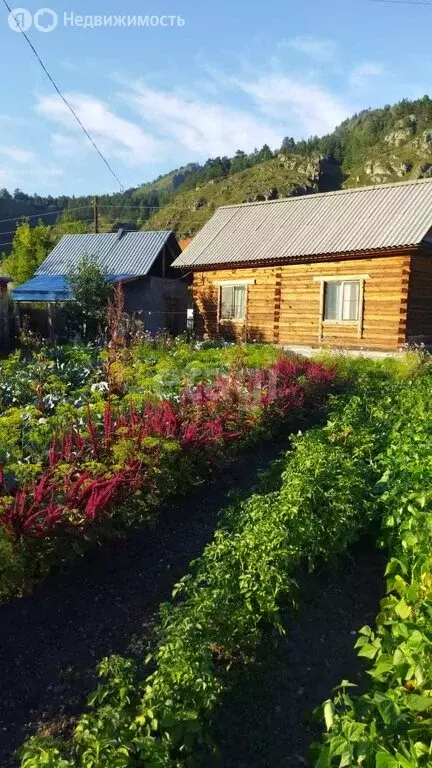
(390, 725)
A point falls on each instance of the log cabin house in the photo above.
(349, 269)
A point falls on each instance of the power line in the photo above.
(3, 234)
(83, 208)
(72, 211)
(48, 213)
(140, 207)
(403, 2)
(63, 98)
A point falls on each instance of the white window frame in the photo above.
(340, 319)
(323, 323)
(233, 284)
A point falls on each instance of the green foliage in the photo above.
(89, 285)
(390, 724)
(161, 371)
(189, 209)
(60, 431)
(30, 247)
(45, 389)
(69, 225)
(369, 467)
(91, 292)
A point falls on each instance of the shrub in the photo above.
(91, 292)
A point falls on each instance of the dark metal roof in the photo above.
(51, 288)
(353, 220)
(131, 253)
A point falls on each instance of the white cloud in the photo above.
(201, 127)
(30, 173)
(319, 50)
(115, 135)
(216, 115)
(308, 106)
(363, 72)
(67, 146)
(22, 167)
(16, 154)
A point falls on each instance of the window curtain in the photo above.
(233, 302)
(239, 302)
(350, 305)
(226, 308)
(332, 301)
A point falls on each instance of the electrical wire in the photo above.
(13, 231)
(138, 207)
(63, 98)
(403, 2)
(39, 215)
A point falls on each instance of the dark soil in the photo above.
(265, 721)
(104, 603)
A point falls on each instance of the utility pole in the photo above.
(96, 215)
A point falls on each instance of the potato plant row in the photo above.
(390, 725)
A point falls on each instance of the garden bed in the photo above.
(107, 469)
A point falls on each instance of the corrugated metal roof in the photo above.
(51, 288)
(362, 219)
(133, 253)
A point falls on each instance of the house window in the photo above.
(232, 302)
(342, 300)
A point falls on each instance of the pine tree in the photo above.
(288, 144)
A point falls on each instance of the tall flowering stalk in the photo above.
(91, 472)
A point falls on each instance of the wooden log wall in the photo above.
(284, 303)
(419, 320)
(384, 304)
(261, 314)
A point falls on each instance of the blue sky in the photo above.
(235, 75)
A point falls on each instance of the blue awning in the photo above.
(51, 288)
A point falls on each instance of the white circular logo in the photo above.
(45, 20)
(20, 20)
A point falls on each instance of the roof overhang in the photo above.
(405, 250)
(53, 288)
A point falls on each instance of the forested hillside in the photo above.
(375, 146)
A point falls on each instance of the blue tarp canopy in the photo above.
(51, 288)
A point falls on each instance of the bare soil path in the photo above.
(266, 721)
